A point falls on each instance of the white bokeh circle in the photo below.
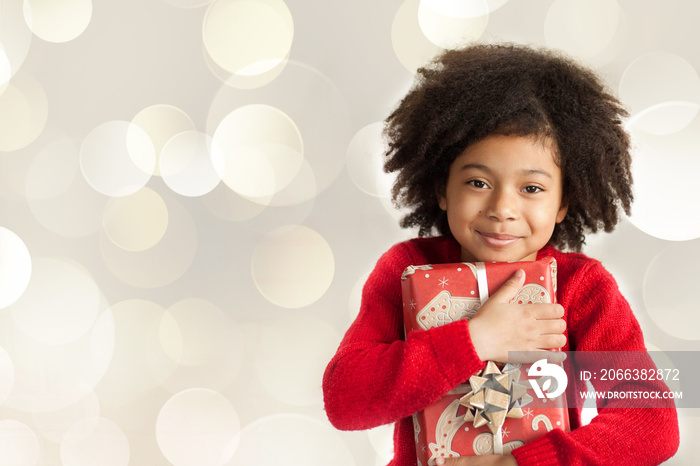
(669, 290)
(161, 122)
(15, 36)
(366, 161)
(248, 37)
(664, 118)
(53, 425)
(291, 357)
(117, 158)
(203, 330)
(24, 109)
(15, 267)
(53, 170)
(245, 81)
(19, 445)
(5, 68)
(190, 165)
(165, 262)
(51, 377)
(452, 28)
(410, 45)
(228, 205)
(662, 91)
(136, 222)
(58, 196)
(301, 188)
(139, 362)
(188, 3)
(317, 109)
(207, 347)
(60, 305)
(198, 427)
(663, 211)
(58, 20)
(16, 167)
(263, 150)
(293, 266)
(463, 9)
(292, 440)
(258, 217)
(7, 375)
(584, 28)
(93, 441)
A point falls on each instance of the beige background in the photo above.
(191, 198)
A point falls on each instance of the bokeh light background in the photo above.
(191, 197)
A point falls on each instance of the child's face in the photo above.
(503, 198)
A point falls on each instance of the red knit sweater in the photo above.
(379, 377)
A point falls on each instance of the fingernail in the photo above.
(519, 273)
(440, 461)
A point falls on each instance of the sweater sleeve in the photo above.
(377, 377)
(600, 319)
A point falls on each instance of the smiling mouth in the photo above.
(498, 240)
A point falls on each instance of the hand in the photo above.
(501, 326)
(484, 460)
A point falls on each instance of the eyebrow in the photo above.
(484, 168)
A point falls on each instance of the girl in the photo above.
(508, 154)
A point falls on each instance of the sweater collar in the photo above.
(547, 251)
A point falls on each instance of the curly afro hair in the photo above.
(467, 94)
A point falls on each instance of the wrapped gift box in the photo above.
(471, 419)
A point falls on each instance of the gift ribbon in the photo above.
(495, 395)
(482, 282)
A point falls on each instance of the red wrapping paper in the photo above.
(435, 295)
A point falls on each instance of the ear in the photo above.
(441, 195)
(563, 208)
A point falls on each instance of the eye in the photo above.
(478, 184)
(532, 189)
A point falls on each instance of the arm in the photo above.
(600, 319)
(377, 377)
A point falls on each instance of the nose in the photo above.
(502, 205)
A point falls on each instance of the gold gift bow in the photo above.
(495, 396)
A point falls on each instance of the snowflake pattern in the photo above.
(528, 413)
(505, 432)
(443, 282)
(412, 304)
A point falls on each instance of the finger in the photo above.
(546, 311)
(528, 357)
(556, 357)
(551, 341)
(463, 461)
(552, 326)
(510, 288)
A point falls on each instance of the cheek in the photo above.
(462, 209)
(545, 218)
